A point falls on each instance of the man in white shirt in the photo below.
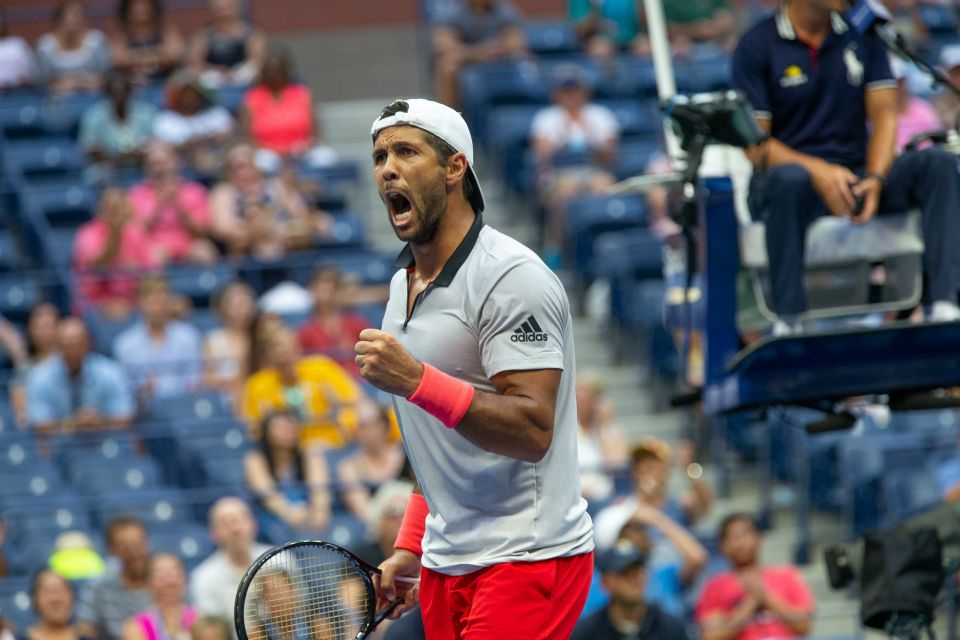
(213, 584)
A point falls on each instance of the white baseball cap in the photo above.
(950, 56)
(441, 121)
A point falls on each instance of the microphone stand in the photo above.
(898, 45)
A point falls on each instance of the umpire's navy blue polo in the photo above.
(814, 97)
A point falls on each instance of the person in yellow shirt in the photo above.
(318, 390)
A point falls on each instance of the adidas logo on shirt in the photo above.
(529, 331)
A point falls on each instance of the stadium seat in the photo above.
(94, 474)
(550, 37)
(346, 529)
(634, 155)
(46, 516)
(19, 294)
(18, 451)
(636, 117)
(10, 255)
(203, 405)
(8, 425)
(15, 601)
(190, 542)
(37, 479)
(44, 156)
(589, 216)
(198, 283)
(67, 205)
(224, 468)
(908, 493)
(159, 508)
(347, 232)
(632, 78)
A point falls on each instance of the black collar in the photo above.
(454, 262)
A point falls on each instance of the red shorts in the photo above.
(528, 600)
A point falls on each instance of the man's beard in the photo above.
(430, 205)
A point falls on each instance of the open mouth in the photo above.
(400, 207)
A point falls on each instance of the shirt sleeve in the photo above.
(709, 602)
(877, 74)
(86, 604)
(40, 408)
(523, 321)
(797, 592)
(119, 402)
(749, 74)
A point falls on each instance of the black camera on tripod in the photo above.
(900, 571)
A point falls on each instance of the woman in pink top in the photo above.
(168, 617)
(277, 115)
(172, 211)
(108, 253)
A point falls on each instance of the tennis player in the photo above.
(477, 350)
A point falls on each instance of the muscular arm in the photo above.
(517, 420)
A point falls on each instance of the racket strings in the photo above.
(307, 593)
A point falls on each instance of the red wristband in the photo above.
(442, 396)
(413, 525)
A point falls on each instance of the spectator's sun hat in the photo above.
(441, 121)
(650, 448)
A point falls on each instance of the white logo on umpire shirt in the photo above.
(529, 331)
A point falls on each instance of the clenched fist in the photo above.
(386, 364)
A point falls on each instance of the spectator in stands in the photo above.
(946, 102)
(41, 344)
(168, 615)
(915, 115)
(146, 45)
(75, 558)
(194, 124)
(214, 582)
(229, 51)
(383, 516)
(473, 31)
(162, 355)
(676, 556)
(114, 131)
(628, 614)
(211, 628)
(751, 600)
(259, 216)
(291, 481)
(832, 120)
(582, 133)
(172, 211)
(74, 56)
(77, 390)
(331, 330)
(601, 444)
(53, 599)
(699, 22)
(315, 388)
(265, 324)
(278, 116)
(17, 65)
(108, 252)
(379, 458)
(123, 591)
(12, 344)
(226, 349)
(608, 27)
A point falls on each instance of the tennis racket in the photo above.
(309, 590)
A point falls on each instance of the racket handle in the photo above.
(386, 612)
(407, 579)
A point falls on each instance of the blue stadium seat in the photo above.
(204, 319)
(15, 601)
(345, 529)
(203, 405)
(551, 37)
(705, 74)
(197, 282)
(589, 216)
(191, 542)
(21, 120)
(38, 479)
(939, 19)
(630, 253)
(18, 450)
(47, 516)
(8, 425)
(224, 468)
(10, 256)
(487, 85)
(44, 156)
(636, 118)
(93, 474)
(347, 232)
(159, 508)
(67, 205)
(59, 243)
(634, 155)
(632, 77)
(908, 493)
(19, 294)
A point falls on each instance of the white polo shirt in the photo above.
(494, 307)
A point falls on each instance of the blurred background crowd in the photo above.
(187, 258)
